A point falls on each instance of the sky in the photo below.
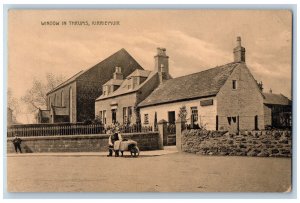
(195, 40)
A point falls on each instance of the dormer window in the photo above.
(234, 84)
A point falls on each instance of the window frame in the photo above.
(193, 114)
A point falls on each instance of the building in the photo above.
(122, 94)
(278, 110)
(225, 97)
(74, 100)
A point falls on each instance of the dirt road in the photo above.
(175, 172)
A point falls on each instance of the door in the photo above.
(171, 117)
(256, 122)
(170, 137)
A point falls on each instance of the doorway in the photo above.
(256, 122)
(171, 117)
(114, 115)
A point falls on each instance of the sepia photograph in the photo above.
(149, 100)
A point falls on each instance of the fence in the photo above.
(71, 129)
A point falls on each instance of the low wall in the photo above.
(81, 143)
(248, 143)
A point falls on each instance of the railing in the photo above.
(133, 128)
(71, 129)
(56, 130)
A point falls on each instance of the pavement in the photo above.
(166, 150)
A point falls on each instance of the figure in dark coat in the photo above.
(17, 143)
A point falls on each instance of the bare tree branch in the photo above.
(36, 97)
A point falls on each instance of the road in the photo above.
(169, 172)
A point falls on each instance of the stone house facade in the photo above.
(121, 95)
(73, 100)
(226, 97)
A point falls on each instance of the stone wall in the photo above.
(247, 143)
(81, 143)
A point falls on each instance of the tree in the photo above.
(182, 113)
(13, 105)
(35, 98)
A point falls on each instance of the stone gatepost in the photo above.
(179, 128)
(162, 129)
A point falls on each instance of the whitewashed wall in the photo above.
(206, 114)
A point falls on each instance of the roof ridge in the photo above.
(191, 86)
(75, 76)
(62, 83)
(206, 70)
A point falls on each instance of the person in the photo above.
(114, 143)
(17, 143)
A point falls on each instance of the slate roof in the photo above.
(123, 89)
(276, 99)
(197, 85)
(68, 81)
(120, 58)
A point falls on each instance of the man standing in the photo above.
(17, 143)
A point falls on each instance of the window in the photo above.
(194, 114)
(234, 84)
(55, 100)
(49, 103)
(129, 114)
(104, 117)
(146, 119)
(231, 120)
(125, 115)
(100, 116)
(134, 82)
(62, 101)
(108, 89)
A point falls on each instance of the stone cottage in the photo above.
(225, 97)
(74, 100)
(122, 94)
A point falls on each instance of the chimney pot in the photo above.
(238, 41)
(118, 74)
(239, 51)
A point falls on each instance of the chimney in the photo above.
(162, 64)
(118, 75)
(239, 51)
(270, 90)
